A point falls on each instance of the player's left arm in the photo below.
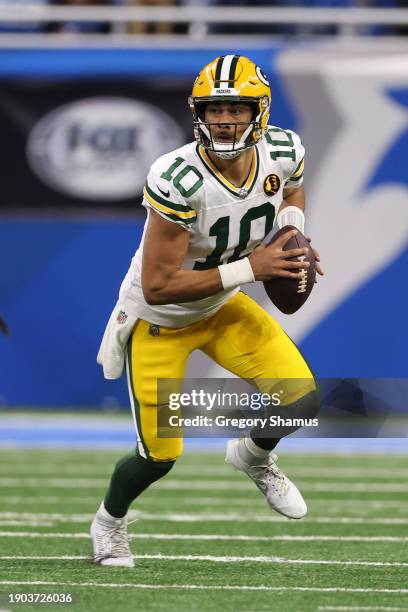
(292, 208)
(289, 150)
(295, 196)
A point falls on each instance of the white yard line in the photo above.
(214, 559)
(22, 523)
(205, 485)
(341, 504)
(360, 504)
(234, 485)
(90, 470)
(184, 517)
(46, 499)
(304, 472)
(51, 516)
(359, 608)
(59, 483)
(174, 517)
(323, 501)
(226, 587)
(209, 537)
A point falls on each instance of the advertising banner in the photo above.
(78, 145)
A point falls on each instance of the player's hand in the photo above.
(272, 261)
(319, 268)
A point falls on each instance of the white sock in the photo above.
(104, 516)
(251, 453)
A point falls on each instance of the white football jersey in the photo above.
(225, 222)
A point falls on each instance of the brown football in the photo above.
(289, 294)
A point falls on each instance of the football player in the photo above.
(210, 205)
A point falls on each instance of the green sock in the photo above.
(132, 475)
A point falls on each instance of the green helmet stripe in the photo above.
(217, 77)
(232, 71)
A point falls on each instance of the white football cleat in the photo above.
(110, 542)
(281, 494)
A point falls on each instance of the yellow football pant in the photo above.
(241, 337)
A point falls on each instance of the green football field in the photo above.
(204, 539)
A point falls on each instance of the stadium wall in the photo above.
(71, 214)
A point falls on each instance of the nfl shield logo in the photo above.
(121, 318)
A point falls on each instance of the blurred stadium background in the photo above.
(91, 93)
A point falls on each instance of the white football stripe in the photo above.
(210, 537)
(214, 559)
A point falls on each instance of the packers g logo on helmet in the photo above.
(231, 78)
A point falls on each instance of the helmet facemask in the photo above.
(252, 134)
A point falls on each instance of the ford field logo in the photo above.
(100, 148)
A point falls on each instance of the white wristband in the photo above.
(291, 215)
(236, 273)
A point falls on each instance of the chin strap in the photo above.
(228, 154)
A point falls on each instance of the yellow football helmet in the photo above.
(231, 78)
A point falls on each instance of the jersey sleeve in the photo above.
(295, 177)
(287, 148)
(160, 195)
